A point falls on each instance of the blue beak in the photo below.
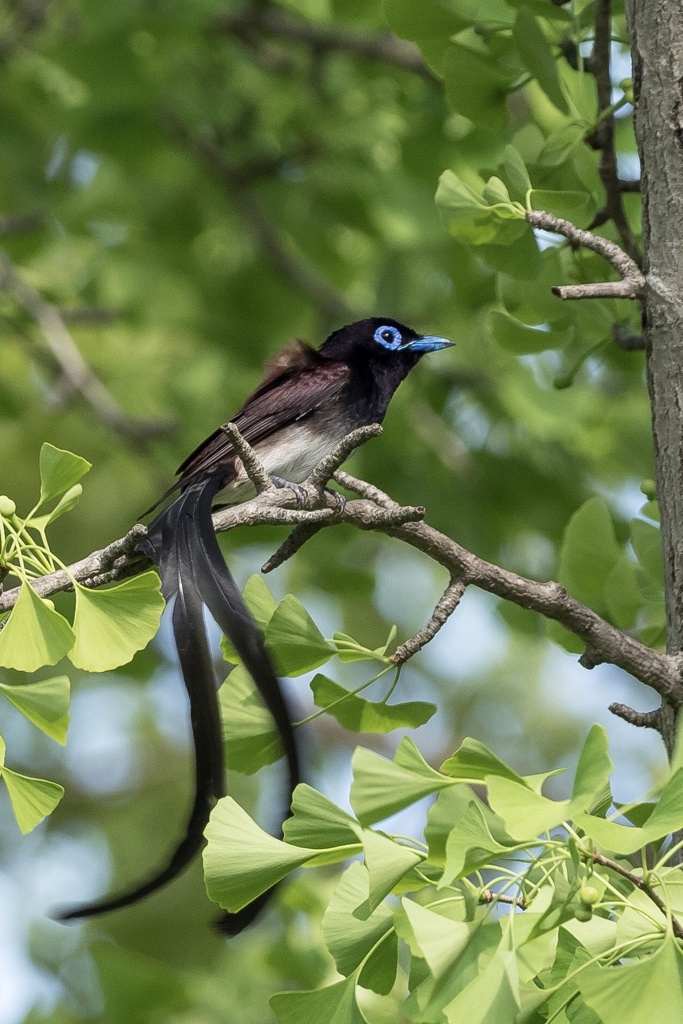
(429, 343)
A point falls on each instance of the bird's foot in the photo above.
(339, 499)
(299, 491)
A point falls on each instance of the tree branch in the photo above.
(378, 512)
(604, 133)
(641, 719)
(76, 373)
(272, 21)
(632, 282)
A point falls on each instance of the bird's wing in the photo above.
(292, 392)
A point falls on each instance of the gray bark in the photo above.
(656, 29)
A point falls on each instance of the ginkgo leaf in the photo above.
(111, 625)
(34, 634)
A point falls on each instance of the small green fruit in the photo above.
(48, 602)
(648, 488)
(7, 507)
(589, 895)
(583, 913)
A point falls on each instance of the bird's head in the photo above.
(382, 339)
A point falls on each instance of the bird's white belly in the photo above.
(291, 454)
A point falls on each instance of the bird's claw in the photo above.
(299, 492)
(339, 499)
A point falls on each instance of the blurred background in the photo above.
(193, 184)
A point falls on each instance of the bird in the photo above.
(308, 401)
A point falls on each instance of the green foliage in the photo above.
(563, 862)
(148, 137)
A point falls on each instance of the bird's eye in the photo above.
(388, 337)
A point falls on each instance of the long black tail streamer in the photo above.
(182, 543)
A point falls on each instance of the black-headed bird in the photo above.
(308, 401)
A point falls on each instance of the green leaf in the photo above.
(572, 205)
(439, 939)
(473, 761)
(442, 817)
(318, 823)
(32, 799)
(591, 790)
(360, 715)
(649, 990)
(387, 862)
(65, 504)
(647, 544)
(260, 603)
(34, 634)
(381, 787)
(241, 861)
(250, 736)
(589, 552)
(350, 938)
(526, 814)
(45, 703)
(475, 87)
(519, 256)
(259, 600)
(59, 470)
(294, 641)
(111, 625)
(622, 594)
(478, 838)
(516, 174)
(431, 27)
(535, 51)
(492, 997)
(335, 1004)
(477, 219)
(349, 650)
(521, 339)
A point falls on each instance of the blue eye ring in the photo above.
(388, 337)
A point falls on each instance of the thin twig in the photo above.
(69, 361)
(632, 281)
(294, 542)
(604, 133)
(253, 466)
(272, 21)
(490, 896)
(364, 490)
(446, 605)
(641, 884)
(641, 719)
(328, 466)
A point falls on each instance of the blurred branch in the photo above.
(623, 338)
(603, 136)
(632, 280)
(376, 511)
(18, 223)
(29, 16)
(277, 251)
(270, 20)
(68, 361)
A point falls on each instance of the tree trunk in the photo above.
(656, 29)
